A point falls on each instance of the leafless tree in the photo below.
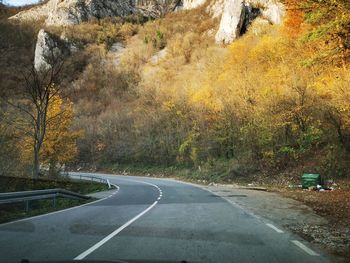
(33, 99)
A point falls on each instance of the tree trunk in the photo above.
(53, 169)
(36, 162)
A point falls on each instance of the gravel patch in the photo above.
(293, 215)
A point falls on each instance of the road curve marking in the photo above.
(305, 248)
(274, 228)
(154, 185)
(114, 233)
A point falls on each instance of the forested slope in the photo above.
(275, 101)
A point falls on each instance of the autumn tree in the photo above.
(32, 101)
(59, 146)
(330, 34)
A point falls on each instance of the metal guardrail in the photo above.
(92, 178)
(26, 196)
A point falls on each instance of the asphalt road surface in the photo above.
(154, 220)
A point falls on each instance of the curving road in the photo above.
(153, 220)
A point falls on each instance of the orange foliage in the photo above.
(294, 18)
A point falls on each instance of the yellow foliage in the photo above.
(60, 142)
(258, 95)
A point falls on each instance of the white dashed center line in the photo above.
(275, 228)
(117, 231)
(305, 248)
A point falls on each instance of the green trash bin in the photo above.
(310, 180)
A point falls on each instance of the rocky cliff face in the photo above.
(237, 14)
(68, 12)
(231, 21)
(35, 13)
(215, 8)
(77, 11)
(157, 8)
(235, 17)
(65, 12)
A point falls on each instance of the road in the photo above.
(154, 220)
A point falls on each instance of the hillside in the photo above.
(219, 89)
(252, 92)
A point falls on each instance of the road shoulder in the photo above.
(289, 214)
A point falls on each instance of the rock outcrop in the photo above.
(238, 14)
(157, 8)
(77, 11)
(48, 50)
(190, 4)
(35, 13)
(216, 8)
(231, 21)
(65, 12)
(70, 12)
(272, 10)
(274, 13)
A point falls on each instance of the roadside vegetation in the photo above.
(15, 184)
(268, 104)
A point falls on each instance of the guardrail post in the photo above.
(54, 201)
(27, 206)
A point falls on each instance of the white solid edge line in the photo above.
(114, 233)
(60, 211)
(274, 228)
(305, 248)
(143, 182)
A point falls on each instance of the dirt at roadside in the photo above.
(333, 206)
(320, 218)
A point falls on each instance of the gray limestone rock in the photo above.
(48, 50)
